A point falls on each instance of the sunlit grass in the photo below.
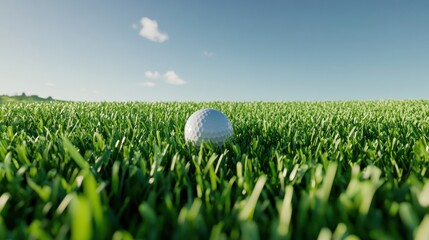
(294, 170)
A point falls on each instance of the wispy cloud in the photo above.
(49, 84)
(169, 77)
(208, 53)
(152, 75)
(135, 26)
(86, 90)
(148, 84)
(150, 30)
(172, 78)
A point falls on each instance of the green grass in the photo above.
(298, 170)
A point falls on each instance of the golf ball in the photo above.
(208, 125)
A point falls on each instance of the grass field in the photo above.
(296, 170)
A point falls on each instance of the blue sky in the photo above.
(195, 50)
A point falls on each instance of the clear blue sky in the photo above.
(215, 50)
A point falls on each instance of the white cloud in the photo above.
(152, 75)
(148, 84)
(49, 84)
(172, 78)
(86, 90)
(150, 30)
(208, 53)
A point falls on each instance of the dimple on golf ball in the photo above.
(208, 125)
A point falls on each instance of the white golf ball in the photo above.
(208, 125)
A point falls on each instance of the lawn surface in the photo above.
(297, 170)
